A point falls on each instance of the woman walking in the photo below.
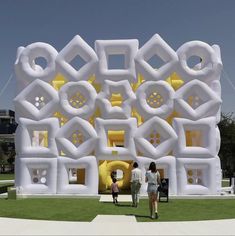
(153, 179)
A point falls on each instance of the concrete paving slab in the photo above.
(39, 227)
(114, 219)
(121, 198)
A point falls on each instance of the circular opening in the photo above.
(35, 180)
(193, 61)
(43, 180)
(41, 61)
(120, 174)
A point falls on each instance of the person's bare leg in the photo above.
(150, 205)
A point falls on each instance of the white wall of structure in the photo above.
(44, 165)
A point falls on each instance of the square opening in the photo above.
(194, 176)
(76, 176)
(194, 138)
(38, 176)
(39, 138)
(116, 138)
(116, 62)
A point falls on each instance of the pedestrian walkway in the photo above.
(121, 198)
(114, 218)
(113, 226)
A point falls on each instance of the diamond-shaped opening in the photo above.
(77, 138)
(193, 98)
(116, 61)
(77, 175)
(39, 98)
(116, 99)
(156, 62)
(155, 99)
(77, 100)
(77, 62)
(194, 176)
(155, 138)
(39, 138)
(62, 119)
(116, 138)
(194, 138)
(41, 61)
(38, 175)
(193, 61)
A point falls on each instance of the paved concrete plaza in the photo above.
(115, 225)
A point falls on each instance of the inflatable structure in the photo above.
(81, 123)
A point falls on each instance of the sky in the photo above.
(23, 22)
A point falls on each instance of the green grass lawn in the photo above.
(83, 209)
(7, 176)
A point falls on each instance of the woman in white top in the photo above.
(153, 179)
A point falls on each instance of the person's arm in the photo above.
(158, 178)
(132, 176)
(146, 178)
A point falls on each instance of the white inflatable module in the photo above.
(210, 62)
(78, 99)
(111, 88)
(37, 138)
(76, 48)
(104, 151)
(156, 47)
(77, 138)
(26, 67)
(196, 100)
(37, 101)
(126, 48)
(200, 147)
(36, 175)
(155, 98)
(196, 176)
(155, 138)
(67, 185)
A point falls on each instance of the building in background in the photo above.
(7, 142)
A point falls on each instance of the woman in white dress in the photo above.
(153, 179)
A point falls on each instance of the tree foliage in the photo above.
(227, 148)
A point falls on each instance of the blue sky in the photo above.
(23, 22)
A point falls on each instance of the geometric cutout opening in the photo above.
(194, 177)
(116, 61)
(76, 176)
(116, 138)
(77, 138)
(77, 100)
(39, 138)
(116, 99)
(154, 138)
(77, 62)
(194, 138)
(39, 176)
(155, 62)
(154, 100)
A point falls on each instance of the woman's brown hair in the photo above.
(153, 167)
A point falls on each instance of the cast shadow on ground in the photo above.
(139, 216)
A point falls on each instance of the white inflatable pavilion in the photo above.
(78, 124)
